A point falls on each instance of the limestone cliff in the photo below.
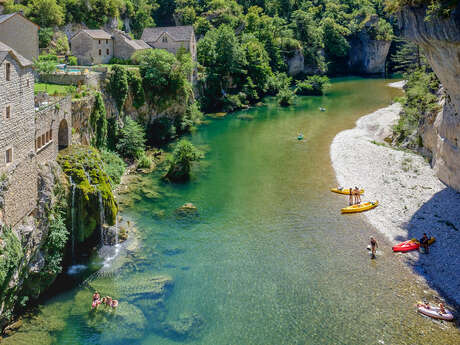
(367, 56)
(25, 250)
(439, 39)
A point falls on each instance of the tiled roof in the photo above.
(98, 34)
(142, 44)
(4, 17)
(5, 50)
(178, 33)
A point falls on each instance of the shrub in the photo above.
(45, 35)
(314, 85)
(131, 141)
(114, 166)
(118, 61)
(286, 97)
(118, 85)
(73, 61)
(98, 122)
(144, 161)
(180, 164)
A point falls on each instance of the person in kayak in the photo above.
(357, 195)
(374, 247)
(424, 243)
(350, 198)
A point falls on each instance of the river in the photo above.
(268, 259)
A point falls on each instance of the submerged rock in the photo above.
(188, 325)
(187, 209)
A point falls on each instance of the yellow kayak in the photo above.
(345, 191)
(360, 207)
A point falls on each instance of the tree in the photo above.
(314, 85)
(45, 35)
(46, 12)
(180, 164)
(118, 86)
(131, 141)
(286, 97)
(98, 122)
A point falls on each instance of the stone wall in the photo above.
(92, 79)
(52, 125)
(17, 134)
(20, 34)
(439, 39)
(86, 49)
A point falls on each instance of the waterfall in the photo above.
(116, 230)
(72, 212)
(101, 217)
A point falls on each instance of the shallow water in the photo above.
(268, 259)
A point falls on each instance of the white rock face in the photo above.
(439, 39)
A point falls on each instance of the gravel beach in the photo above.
(412, 199)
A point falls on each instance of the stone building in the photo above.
(92, 47)
(20, 34)
(27, 138)
(99, 46)
(171, 38)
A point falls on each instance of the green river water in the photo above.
(269, 259)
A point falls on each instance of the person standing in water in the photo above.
(357, 195)
(350, 198)
(374, 247)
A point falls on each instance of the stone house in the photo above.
(19, 33)
(171, 38)
(27, 137)
(92, 47)
(99, 46)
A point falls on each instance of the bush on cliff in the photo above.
(84, 167)
(118, 85)
(180, 164)
(98, 122)
(114, 166)
(10, 256)
(419, 102)
(131, 140)
(314, 85)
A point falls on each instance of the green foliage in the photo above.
(45, 65)
(113, 165)
(419, 103)
(407, 57)
(140, 14)
(165, 78)
(314, 85)
(73, 61)
(118, 85)
(10, 256)
(144, 161)
(45, 35)
(131, 141)
(277, 82)
(136, 89)
(180, 164)
(46, 12)
(57, 233)
(118, 61)
(98, 122)
(61, 46)
(286, 97)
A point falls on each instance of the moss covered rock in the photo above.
(92, 191)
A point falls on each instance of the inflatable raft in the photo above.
(360, 207)
(434, 312)
(345, 191)
(409, 245)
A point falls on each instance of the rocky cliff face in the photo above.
(439, 39)
(367, 56)
(24, 271)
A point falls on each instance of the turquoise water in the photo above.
(268, 259)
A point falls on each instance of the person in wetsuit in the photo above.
(374, 247)
(424, 243)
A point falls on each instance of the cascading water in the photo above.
(101, 217)
(72, 211)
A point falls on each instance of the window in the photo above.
(8, 71)
(9, 156)
(165, 39)
(8, 111)
(47, 136)
(108, 52)
(51, 134)
(43, 140)
(99, 41)
(100, 52)
(106, 41)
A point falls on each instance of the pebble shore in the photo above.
(412, 199)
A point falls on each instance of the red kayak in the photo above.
(406, 246)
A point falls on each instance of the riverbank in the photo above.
(412, 199)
